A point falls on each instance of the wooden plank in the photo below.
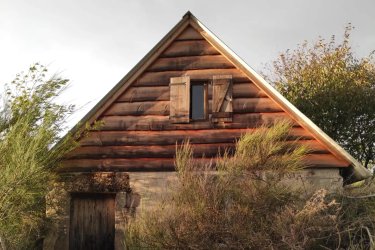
(189, 48)
(161, 93)
(167, 151)
(249, 105)
(157, 122)
(139, 108)
(189, 34)
(167, 164)
(253, 120)
(146, 122)
(190, 63)
(163, 78)
(247, 90)
(314, 146)
(138, 138)
(325, 160)
(240, 105)
(140, 94)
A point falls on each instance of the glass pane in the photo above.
(197, 102)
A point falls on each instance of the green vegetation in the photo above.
(334, 89)
(30, 124)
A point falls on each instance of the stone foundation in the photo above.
(150, 187)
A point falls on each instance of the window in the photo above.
(198, 101)
(189, 99)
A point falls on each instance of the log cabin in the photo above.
(189, 86)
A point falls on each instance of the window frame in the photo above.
(205, 84)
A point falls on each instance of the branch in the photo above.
(361, 197)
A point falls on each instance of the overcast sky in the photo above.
(94, 43)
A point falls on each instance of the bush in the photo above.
(237, 206)
(244, 204)
(30, 124)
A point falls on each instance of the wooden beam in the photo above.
(190, 63)
(144, 94)
(161, 92)
(163, 78)
(137, 138)
(139, 108)
(167, 164)
(161, 122)
(240, 105)
(189, 48)
(167, 151)
(189, 34)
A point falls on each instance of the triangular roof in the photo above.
(357, 171)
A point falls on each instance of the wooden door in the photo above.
(92, 222)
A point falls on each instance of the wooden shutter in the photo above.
(222, 106)
(179, 99)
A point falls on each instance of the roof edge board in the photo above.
(125, 82)
(360, 172)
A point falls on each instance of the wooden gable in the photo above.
(140, 126)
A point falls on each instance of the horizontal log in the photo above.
(206, 136)
(163, 78)
(161, 93)
(139, 108)
(155, 122)
(240, 105)
(167, 151)
(314, 146)
(248, 105)
(190, 63)
(167, 164)
(189, 48)
(324, 160)
(247, 90)
(140, 94)
(189, 34)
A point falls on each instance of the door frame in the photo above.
(59, 204)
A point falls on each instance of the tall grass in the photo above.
(243, 203)
(233, 207)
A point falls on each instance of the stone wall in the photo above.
(150, 188)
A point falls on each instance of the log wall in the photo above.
(138, 136)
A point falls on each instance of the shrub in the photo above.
(237, 206)
(30, 124)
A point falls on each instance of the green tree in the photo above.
(31, 123)
(334, 88)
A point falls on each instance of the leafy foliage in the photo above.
(31, 124)
(333, 88)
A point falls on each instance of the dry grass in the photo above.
(237, 207)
